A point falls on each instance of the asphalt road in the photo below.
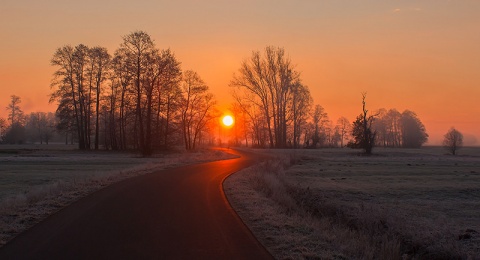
(178, 213)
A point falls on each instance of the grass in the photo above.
(335, 204)
(36, 181)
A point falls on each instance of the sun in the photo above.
(227, 120)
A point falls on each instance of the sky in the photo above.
(418, 55)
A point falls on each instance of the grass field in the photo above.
(37, 180)
(337, 204)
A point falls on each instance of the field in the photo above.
(37, 180)
(339, 204)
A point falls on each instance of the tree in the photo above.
(196, 108)
(362, 132)
(271, 80)
(343, 126)
(70, 89)
(320, 119)
(2, 128)
(40, 126)
(140, 59)
(414, 134)
(99, 66)
(15, 134)
(453, 140)
(169, 96)
(300, 109)
(15, 114)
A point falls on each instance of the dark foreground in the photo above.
(178, 213)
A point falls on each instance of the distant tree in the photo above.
(453, 140)
(3, 125)
(319, 120)
(381, 125)
(253, 118)
(40, 126)
(300, 110)
(392, 128)
(15, 114)
(343, 126)
(65, 121)
(362, 132)
(336, 137)
(414, 134)
(15, 134)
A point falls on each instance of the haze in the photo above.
(417, 55)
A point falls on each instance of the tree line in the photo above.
(140, 98)
(19, 128)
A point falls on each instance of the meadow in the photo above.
(340, 204)
(37, 180)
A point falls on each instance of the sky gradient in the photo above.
(417, 55)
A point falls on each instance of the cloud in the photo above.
(414, 9)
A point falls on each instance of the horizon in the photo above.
(417, 56)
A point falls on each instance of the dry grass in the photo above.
(35, 183)
(335, 204)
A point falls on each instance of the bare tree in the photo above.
(15, 114)
(368, 133)
(16, 130)
(300, 109)
(196, 109)
(453, 140)
(140, 54)
(168, 94)
(99, 67)
(254, 119)
(343, 126)
(3, 125)
(40, 126)
(271, 78)
(70, 88)
(362, 131)
(320, 120)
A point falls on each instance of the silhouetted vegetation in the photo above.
(134, 99)
(362, 130)
(139, 98)
(453, 140)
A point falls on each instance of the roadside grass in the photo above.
(36, 182)
(336, 204)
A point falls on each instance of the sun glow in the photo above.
(227, 120)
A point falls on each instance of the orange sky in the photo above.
(417, 55)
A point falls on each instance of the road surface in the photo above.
(178, 213)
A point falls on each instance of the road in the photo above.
(179, 213)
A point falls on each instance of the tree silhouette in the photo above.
(453, 140)
(196, 108)
(413, 134)
(343, 127)
(362, 131)
(15, 114)
(269, 81)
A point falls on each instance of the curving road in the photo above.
(178, 213)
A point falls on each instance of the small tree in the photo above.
(15, 114)
(362, 131)
(2, 128)
(453, 140)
